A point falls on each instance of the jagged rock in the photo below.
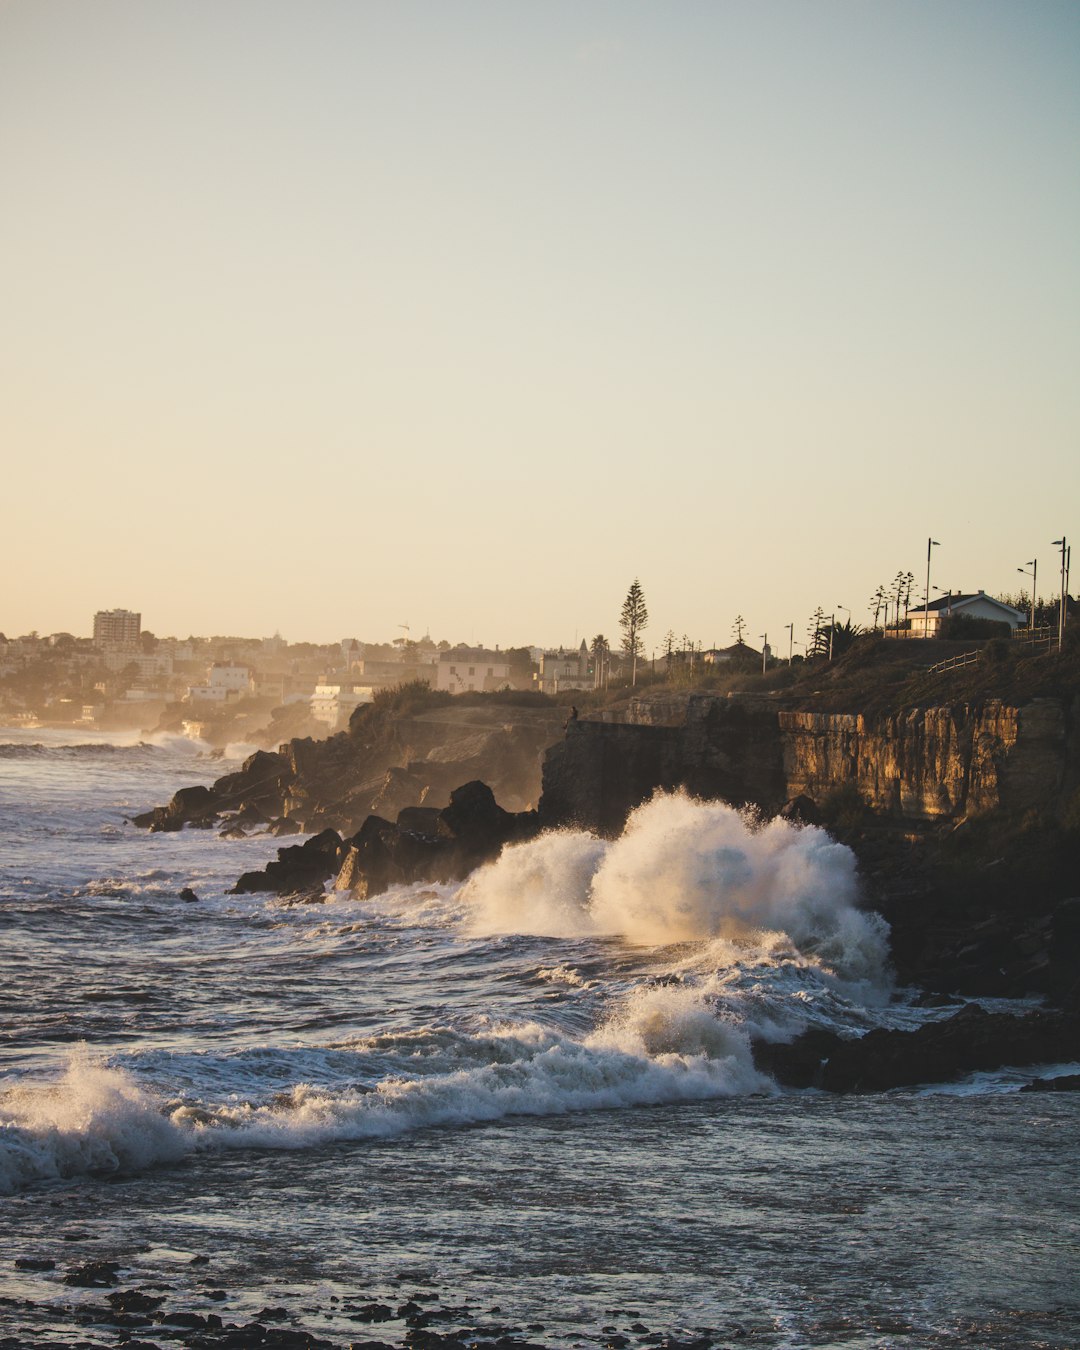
(803, 810)
(298, 867)
(444, 845)
(937, 1052)
(1068, 1082)
(422, 820)
(190, 806)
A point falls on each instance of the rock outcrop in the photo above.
(380, 766)
(937, 1052)
(422, 845)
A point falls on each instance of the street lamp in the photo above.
(1065, 551)
(764, 651)
(1033, 574)
(791, 640)
(930, 544)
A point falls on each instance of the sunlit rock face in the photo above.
(932, 763)
(920, 765)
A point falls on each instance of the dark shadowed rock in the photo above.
(938, 1052)
(1068, 1082)
(298, 867)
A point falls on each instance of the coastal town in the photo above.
(125, 678)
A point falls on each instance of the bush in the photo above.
(964, 628)
(399, 700)
(996, 652)
(844, 807)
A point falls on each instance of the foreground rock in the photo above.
(422, 845)
(939, 1052)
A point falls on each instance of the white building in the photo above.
(226, 675)
(928, 621)
(466, 668)
(335, 703)
(119, 627)
(564, 669)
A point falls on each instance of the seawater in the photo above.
(530, 1096)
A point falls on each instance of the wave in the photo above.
(659, 1045)
(689, 871)
(39, 750)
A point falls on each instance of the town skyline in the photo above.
(464, 316)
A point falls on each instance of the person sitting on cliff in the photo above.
(571, 718)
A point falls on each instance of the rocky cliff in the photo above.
(922, 765)
(392, 758)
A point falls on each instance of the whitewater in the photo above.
(529, 1099)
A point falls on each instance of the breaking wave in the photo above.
(688, 871)
(659, 1045)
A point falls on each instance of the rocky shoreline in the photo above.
(412, 1315)
(984, 906)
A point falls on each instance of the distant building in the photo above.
(565, 669)
(120, 627)
(333, 704)
(462, 669)
(928, 621)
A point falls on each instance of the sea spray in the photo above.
(94, 1119)
(687, 871)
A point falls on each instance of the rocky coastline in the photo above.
(965, 821)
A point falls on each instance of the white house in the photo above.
(227, 675)
(334, 703)
(465, 668)
(564, 669)
(929, 620)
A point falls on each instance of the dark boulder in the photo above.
(1067, 1082)
(196, 805)
(937, 1052)
(299, 867)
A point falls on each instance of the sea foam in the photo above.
(688, 871)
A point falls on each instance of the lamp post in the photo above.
(791, 640)
(832, 630)
(1060, 543)
(1033, 574)
(764, 651)
(930, 544)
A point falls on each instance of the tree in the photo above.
(817, 634)
(598, 650)
(632, 620)
(669, 646)
(877, 603)
(738, 628)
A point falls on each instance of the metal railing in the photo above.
(955, 662)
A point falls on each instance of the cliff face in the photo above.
(934, 763)
(922, 765)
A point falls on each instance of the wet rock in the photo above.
(937, 1052)
(134, 1301)
(34, 1263)
(373, 1312)
(188, 895)
(1069, 1082)
(298, 867)
(94, 1275)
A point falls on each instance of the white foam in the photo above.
(659, 1045)
(688, 871)
(94, 1119)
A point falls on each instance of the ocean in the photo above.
(520, 1110)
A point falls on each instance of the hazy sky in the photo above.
(329, 317)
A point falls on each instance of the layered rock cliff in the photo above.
(922, 765)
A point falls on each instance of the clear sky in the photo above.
(333, 315)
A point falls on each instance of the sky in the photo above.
(331, 317)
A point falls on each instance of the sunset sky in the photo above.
(327, 317)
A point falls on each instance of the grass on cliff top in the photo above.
(881, 677)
